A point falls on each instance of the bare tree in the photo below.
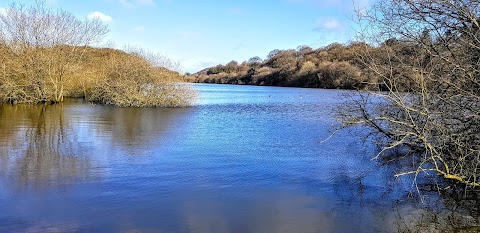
(40, 47)
(432, 47)
(156, 59)
(136, 79)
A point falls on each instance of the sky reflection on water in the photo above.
(244, 159)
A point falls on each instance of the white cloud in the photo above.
(100, 16)
(329, 24)
(139, 29)
(332, 24)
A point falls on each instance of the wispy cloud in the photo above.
(333, 30)
(100, 16)
(330, 25)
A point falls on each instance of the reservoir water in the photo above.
(243, 159)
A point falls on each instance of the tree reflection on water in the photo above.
(52, 145)
(38, 147)
(81, 167)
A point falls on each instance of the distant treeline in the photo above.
(335, 66)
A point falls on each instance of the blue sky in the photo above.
(202, 33)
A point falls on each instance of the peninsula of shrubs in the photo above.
(47, 55)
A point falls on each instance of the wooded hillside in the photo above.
(335, 66)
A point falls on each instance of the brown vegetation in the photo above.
(46, 55)
(130, 80)
(334, 66)
(436, 126)
(421, 62)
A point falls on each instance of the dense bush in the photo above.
(39, 67)
(130, 80)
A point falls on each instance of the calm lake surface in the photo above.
(243, 159)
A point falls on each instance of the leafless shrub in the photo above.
(129, 80)
(39, 47)
(46, 55)
(435, 50)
